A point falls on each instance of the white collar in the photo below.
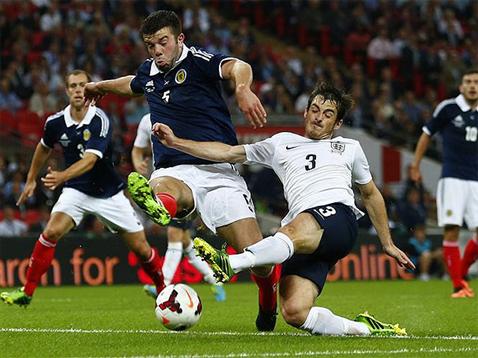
(86, 119)
(155, 70)
(461, 102)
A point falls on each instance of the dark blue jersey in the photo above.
(458, 125)
(188, 99)
(92, 134)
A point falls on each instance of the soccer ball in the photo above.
(178, 307)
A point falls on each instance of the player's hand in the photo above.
(164, 134)
(415, 174)
(401, 258)
(251, 106)
(53, 179)
(143, 167)
(92, 93)
(27, 192)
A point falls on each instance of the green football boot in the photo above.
(378, 328)
(143, 195)
(17, 297)
(218, 260)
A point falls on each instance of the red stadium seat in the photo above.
(29, 127)
(8, 123)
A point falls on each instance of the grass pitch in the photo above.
(119, 321)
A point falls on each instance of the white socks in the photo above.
(199, 264)
(271, 250)
(172, 258)
(322, 321)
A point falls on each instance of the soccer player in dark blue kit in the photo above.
(183, 89)
(90, 185)
(457, 193)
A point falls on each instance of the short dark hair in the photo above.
(470, 71)
(77, 72)
(342, 100)
(159, 19)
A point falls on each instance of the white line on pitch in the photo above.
(199, 333)
(321, 353)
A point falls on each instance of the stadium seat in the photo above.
(9, 123)
(29, 127)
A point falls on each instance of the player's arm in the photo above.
(377, 212)
(55, 178)
(240, 73)
(420, 151)
(139, 157)
(41, 155)
(213, 151)
(94, 91)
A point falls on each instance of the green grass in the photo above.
(119, 321)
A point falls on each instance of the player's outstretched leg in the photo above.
(378, 328)
(218, 260)
(143, 195)
(17, 297)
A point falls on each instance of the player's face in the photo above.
(469, 87)
(321, 119)
(164, 47)
(75, 89)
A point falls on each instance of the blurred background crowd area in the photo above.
(399, 59)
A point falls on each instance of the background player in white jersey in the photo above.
(91, 185)
(317, 172)
(178, 232)
(456, 119)
(183, 88)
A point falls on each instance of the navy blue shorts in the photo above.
(181, 224)
(339, 237)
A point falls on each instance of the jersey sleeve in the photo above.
(100, 133)
(360, 168)
(135, 85)
(261, 152)
(143, 134)
(210, 64)
(48, 139)
(439, 119)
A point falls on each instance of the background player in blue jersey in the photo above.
(457, 193)
(178, 232)
(183, 88)
(90, 185)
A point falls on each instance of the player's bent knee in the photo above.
(294, 313)
(262, 271)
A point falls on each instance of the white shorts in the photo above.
(457, 200)
(115, 212)
(220, 194)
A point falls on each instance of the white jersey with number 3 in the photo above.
(313, 172)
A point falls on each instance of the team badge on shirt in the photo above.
(86, 135)
(180, 76)
(337, 147)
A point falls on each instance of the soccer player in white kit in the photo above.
(178, 232)
(317, 172)
(456, 119)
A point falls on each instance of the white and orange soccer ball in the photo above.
(178, 307)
